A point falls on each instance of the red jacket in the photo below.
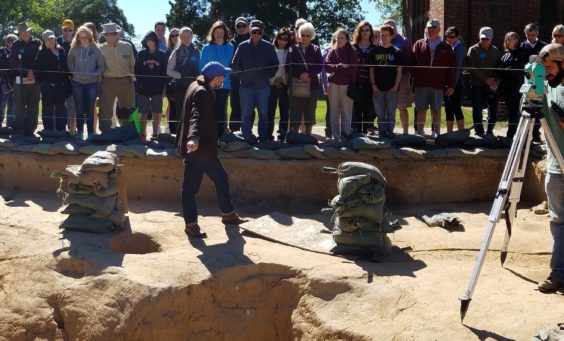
(438, 78)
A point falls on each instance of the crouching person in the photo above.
(196, 141)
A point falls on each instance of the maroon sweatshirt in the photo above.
(341, 75)
(425, 75)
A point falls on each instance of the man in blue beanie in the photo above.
(196, 141)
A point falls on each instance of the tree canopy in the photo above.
(325, 15)
(49, 14)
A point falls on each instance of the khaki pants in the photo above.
(341, 110)
(110, 88)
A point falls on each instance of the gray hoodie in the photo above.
(85, 64)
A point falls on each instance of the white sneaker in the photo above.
(433, 135)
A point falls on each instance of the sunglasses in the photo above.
(241, 26)
(174, 35)
(484, 39)
(256, 32)
(452, 37)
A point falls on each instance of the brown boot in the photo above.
(193, 230)
(549, 285)
(232, 218)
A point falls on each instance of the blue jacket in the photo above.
(218, 53)
(150, 70)
(255, 64)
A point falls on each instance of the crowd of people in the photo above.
(85, 78)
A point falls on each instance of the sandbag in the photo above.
(80, 189)
(413, 141)
(315, 151)
(452, 139)
(349, 154)
(77, 209)
(117, 217)
(101, 161)
(261, 154)
(416, 154)
(234, 146)
(351, 224)
(230, 137)
(65, 147)
(293, 153)
(103, 206)
(331, 153)
(242, 153)
(139, 151)
(299, 138)
(338, 203)
(84, 223)
(363, 142)
(349, 185)
(225, 155)
(117, 135)
(165, 137)
(371, 212)
(351, 168)
(44, 148)
(46, 133)
(91, 149)
(112, 188)
(372, 193)
(157, 152)
(371, 240)
(8, 144)
(487, 141)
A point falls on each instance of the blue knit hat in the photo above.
(214, 69)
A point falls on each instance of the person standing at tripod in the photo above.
(553, 108)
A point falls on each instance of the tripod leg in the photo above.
(500, 201)
(516, 185)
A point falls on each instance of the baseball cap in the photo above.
(552, 51)
(47, 34)
(214, 69)
(68, 24)
(242, 20)
(257, 24)
(433, 23)
(486, 32)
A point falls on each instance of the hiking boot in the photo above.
(549, 285)
(232, 218)
(193, 230)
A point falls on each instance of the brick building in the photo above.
(469, 15)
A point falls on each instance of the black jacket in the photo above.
(150, 71)
(198, 121)
(28, 52)
(512, 64)
(57, 67)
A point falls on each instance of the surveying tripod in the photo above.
(510, 186)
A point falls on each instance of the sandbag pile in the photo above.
(361, 220)
(93, 194)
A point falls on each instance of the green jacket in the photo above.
(555, 95)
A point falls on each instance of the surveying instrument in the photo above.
(511, 183)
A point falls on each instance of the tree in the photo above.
(325, 15)
(391, 9)
(98, 12)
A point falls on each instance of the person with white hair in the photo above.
(558, 34)
(306, 64)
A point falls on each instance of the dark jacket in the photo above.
(530, 50)
(314, 62)
(198, 122)
(28, 52)
(512, 76)
(363, 58)
(150, 69)
(65, 44)
(235, 41)
(425, 75)
(340, 75)
(255, 64)
(50, 68)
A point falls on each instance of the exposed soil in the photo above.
(152, 283)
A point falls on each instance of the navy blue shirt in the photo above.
(255, 64)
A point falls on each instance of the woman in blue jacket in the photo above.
(219, 49)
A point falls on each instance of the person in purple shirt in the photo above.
(306, 62)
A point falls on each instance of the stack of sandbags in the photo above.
(93, 194)
(361, 221)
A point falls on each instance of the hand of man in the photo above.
(30, 76)
(374, 88)
(449, 92)
(192, 146)
(304, 77)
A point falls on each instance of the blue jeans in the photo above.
(54, 113)
(385, 104)
(85, 97)
(194, 170)
(251, 98)
(554, 186)
(482, 96)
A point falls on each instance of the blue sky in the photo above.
(143, 15)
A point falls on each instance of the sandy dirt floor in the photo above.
(151, 282)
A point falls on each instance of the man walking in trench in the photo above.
(196, 141)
